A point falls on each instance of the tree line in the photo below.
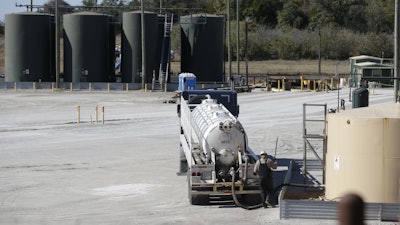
(283, 29)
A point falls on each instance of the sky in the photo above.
(8, 6)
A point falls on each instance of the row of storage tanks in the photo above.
(89, 46)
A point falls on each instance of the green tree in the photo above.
(344, 13)
(216, 7)
(292, 15)
(113, 7)
(263, 11)
(1, 28)
(380, 16)
(64, 7)
(89, 3)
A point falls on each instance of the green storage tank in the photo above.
(89, 47)
(131, 46)
(29, 47)
(202, 46)
(360, 98)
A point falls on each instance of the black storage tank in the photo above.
(360, 98)
(89, 47)
(202, 46)
(29, 47)
(131, 49)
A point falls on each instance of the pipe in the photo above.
(246, 162)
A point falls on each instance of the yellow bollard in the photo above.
(331, 83)
(102, 109)
(79, 114)
(15, 86)
(145, 87)
(97, 113)
(70, 87)
(301, 82)
(279, 85)
(315, 86)
(90, 87)
(283, 84)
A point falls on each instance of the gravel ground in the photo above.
(123, 171)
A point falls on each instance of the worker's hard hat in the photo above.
(263, 153)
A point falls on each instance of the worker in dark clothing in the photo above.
(264, 168)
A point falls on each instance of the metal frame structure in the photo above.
(311, 136)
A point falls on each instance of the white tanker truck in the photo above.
(213, 149)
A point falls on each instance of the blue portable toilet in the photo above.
(187, 81)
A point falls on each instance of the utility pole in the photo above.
(143, 45)
(319, 49)
(248, 20)
(57, 15)
(237, 38)
(396, 51)
(228, 12)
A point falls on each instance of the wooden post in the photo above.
(79, 114)
(102, 109)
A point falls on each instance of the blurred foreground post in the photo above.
(351, 210)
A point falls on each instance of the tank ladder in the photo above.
(314, 136)
(165, 54)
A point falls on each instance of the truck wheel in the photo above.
(251, 199)
(199, 199)
(183, 166)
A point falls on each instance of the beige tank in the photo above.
(363, 154)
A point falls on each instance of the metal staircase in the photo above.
(165, 55)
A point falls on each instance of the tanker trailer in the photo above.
(213, 148)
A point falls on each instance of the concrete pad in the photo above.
(56, 171)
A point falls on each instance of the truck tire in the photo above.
(199, 199)
(183, 165)
(251, 199)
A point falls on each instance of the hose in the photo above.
(238, 203)
(232, 172)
